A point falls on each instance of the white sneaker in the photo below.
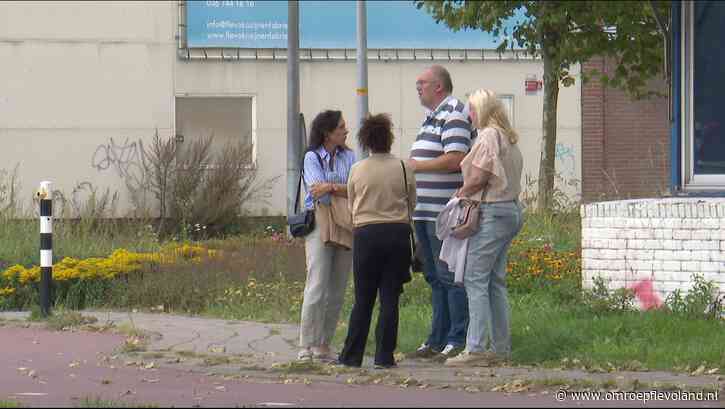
(304, 354)
(448, 352)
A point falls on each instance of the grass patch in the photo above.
(10, 404)
(188, 354)
(546, 332)
(553, 324)
(103, 403)
(215, 360)
(62, 319)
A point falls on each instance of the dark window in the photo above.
(709, 87)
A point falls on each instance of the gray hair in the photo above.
(443, 76)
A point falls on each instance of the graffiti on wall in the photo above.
(128, 159)
(567, 161)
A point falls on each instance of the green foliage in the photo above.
(566, 33)
(571, 32)
(601, 300)
(701, 302)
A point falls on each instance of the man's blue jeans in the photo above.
(449, 301)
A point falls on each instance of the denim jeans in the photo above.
(450, 306)
(485, 278)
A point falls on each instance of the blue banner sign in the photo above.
(323, 24)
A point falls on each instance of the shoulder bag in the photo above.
(302, 223)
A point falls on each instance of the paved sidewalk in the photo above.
(258, 354)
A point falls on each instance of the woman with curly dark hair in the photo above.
(381, 194)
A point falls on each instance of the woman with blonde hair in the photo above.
(491, 175)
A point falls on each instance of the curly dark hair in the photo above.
(376, 133)
(324, 123)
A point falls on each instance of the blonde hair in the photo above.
(490, 112)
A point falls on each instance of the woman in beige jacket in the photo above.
(380, 202)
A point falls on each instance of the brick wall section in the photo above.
(665, 240)
(625, 143)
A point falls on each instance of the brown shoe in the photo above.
(475, 359)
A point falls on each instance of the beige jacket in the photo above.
(376, 191)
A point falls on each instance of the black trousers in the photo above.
(381, 259)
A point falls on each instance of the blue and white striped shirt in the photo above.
(334, 170)
(447, 129)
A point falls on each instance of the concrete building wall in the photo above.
(85, 84)
(88, 83)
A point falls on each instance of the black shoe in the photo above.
(385, 366)
(339, 363)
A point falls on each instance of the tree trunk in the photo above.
(547, 165)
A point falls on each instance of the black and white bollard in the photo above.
(46, 246)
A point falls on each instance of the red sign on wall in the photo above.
(533, 85)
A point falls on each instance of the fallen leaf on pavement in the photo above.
(149, 365)
(221, 388)
(73, 364)
(713, 371)
(150, 380)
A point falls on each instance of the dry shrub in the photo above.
(199, 192)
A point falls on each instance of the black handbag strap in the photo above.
(407, 200)
(302, 171)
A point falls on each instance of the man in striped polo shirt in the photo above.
(442, 142)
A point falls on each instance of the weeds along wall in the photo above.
(92, 85)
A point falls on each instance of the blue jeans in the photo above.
(449, 301)
(485, 278)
